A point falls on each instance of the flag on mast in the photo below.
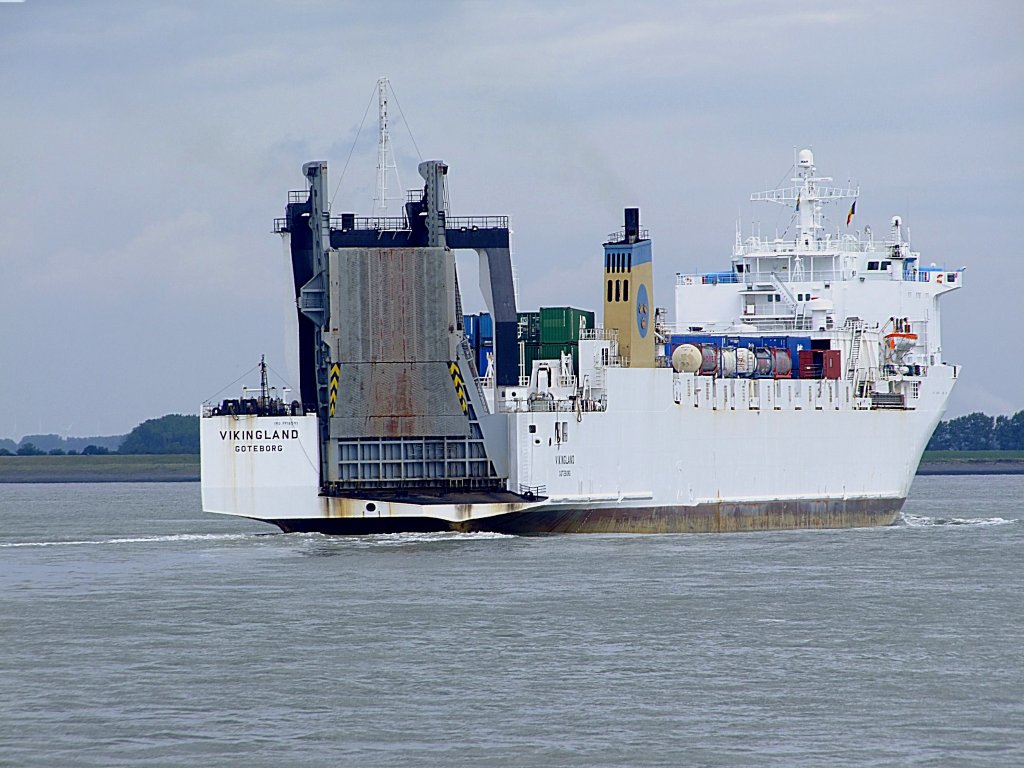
(798, 202)
(853, 210)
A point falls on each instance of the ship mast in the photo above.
(808, 194)
(385, 155)
(264, 385)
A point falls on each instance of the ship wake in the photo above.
(924, 521)
(212, 537)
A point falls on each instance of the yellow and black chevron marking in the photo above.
(335, 374)
(460, 388)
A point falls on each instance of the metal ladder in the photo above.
(796, 307)
(854, 373)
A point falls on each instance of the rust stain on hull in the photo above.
(719, 517)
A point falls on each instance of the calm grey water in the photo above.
(136, 630)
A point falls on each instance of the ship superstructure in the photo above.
(798, 388)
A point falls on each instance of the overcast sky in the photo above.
(147, 148)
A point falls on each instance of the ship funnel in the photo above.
(632, 233)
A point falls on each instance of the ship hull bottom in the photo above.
(721, 517)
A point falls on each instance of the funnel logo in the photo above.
(643, 311)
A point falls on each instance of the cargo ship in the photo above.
(797, 388)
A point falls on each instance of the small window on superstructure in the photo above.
(625, 289)
(618, 289)
(872, 266)
(739, 267)
(533, 428)
(886, 265)
(778, 297)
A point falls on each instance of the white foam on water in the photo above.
(923, 521)
(378, 540)
(405, 539)
(135, 540)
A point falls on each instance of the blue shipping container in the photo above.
(479, 329)
(748, 342)
(471, 324)
(796, 345)
(486, 327)
(775, 342)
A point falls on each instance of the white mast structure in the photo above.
(809, 196)
(385, 155)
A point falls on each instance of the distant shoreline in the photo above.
(1001, 467)
(177, 468)
(113, 468)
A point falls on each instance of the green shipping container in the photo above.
(560, 325)
(529, 327)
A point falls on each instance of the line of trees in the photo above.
(980, 432)
(173, 433)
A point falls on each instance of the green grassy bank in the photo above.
(99, 469)
(972, 463)
(960, 456)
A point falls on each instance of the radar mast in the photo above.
(385, 155)
(808, 194)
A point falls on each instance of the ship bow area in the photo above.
(261, 467)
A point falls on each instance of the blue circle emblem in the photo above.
(643, 311)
